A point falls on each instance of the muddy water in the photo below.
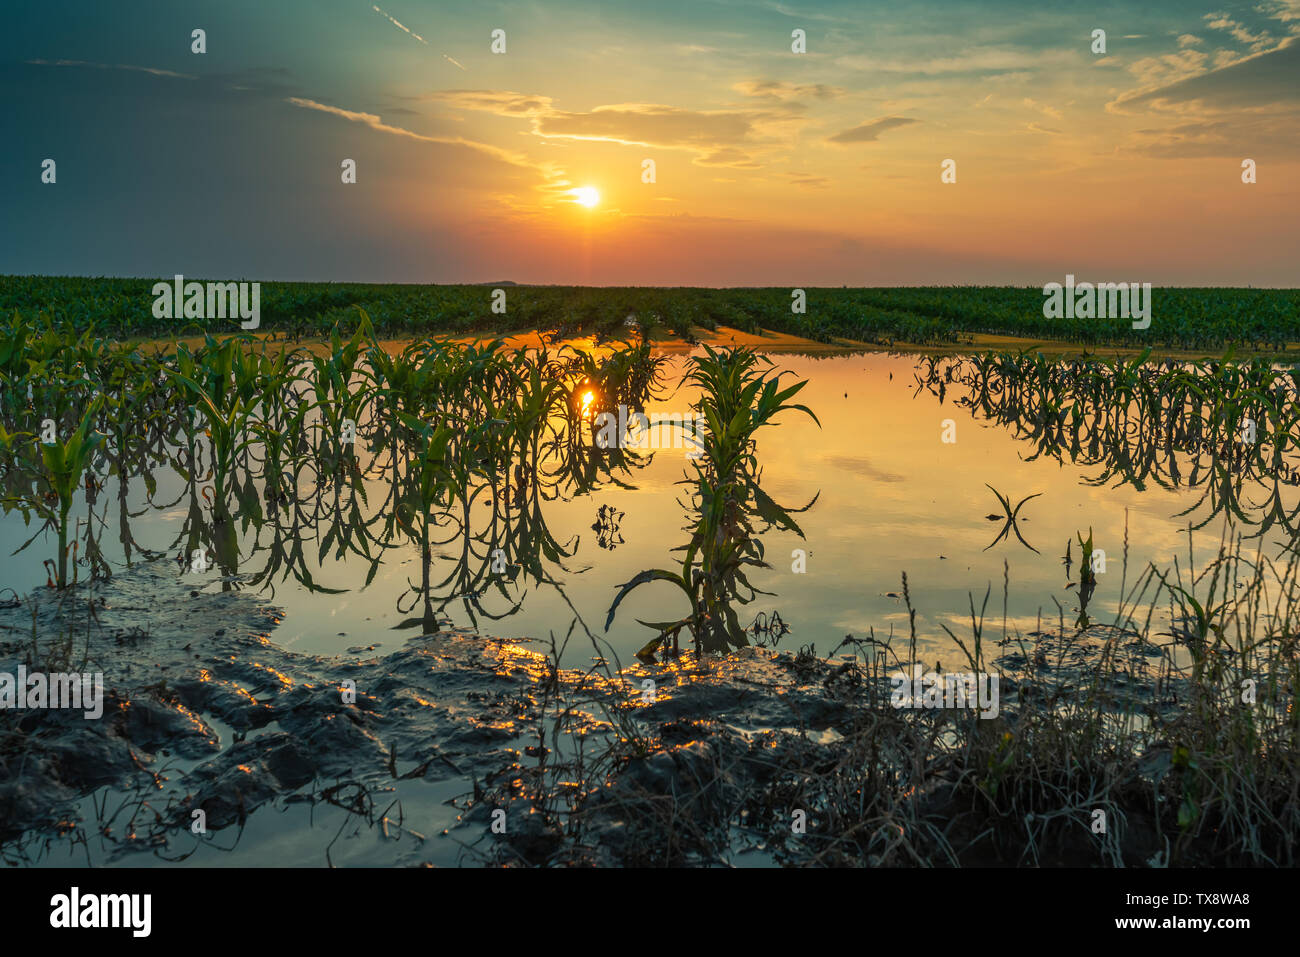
(891, 497)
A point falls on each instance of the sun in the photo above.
(587, 196)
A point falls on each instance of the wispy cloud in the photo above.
(803, 13)
(651, 124)
(786, 92)
(1043, 108)
(870, 132)
(1252, 100)
(1250, 83)
(114, 66)
(500, 102)
(807, 180)
(727, 156)
(974, 60)
(716, 136)
(377, 124)
(1256, 41)
(1285, 11)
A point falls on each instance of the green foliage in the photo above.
(738, 396)
(66, 462)
(1183, 318)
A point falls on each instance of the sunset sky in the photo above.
(772, 168)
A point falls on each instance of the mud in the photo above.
(457, 749)
(202, 711)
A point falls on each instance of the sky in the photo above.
(771, 167)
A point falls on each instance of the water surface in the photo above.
(891, 497)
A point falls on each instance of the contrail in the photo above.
(400, 27)
(445, 57)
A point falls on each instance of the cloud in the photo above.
(378, 125)
(264, 82)
(786, 92)
(870, 132)
(500, 102)
(975, 60)
(113, 66)
(1285, 11)
(716, 136)
(1184, 140)
(807, 179)
(1169, 68)
(727, 156)
(1255, 82)
(1043, 108)
(1231, 139)
(787, 11)
(1256, 41)
(652, 124)
(1249, 106)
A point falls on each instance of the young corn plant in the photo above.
(225, 387)
(332, 389)
(1087, 579)
(737, 398)
(66, 462)
(429, 490)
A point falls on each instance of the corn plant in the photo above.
(738, 397)
(66, 462)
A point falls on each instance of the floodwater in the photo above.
(900, 475)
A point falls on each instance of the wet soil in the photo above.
(454, 749)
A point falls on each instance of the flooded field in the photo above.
(889, 496)
(393, 594)
(740, 434)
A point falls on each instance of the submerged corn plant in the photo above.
(737, 398)
(66, 462)
(1087, 578)
(1226, 428)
